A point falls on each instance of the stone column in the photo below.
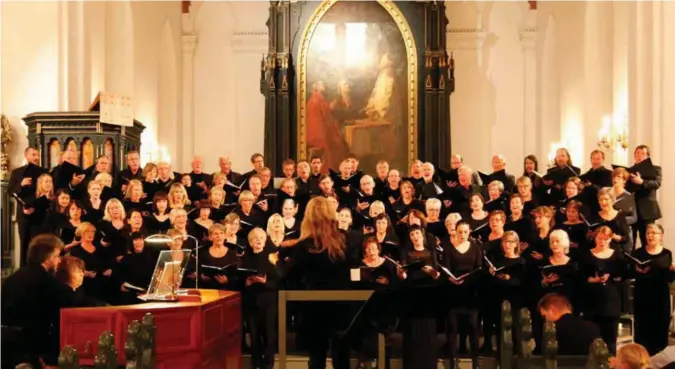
(187, 144)
(528, 41)
(466, 111)
(641, 131)
(62, 55)
(598, 75)
(667, 193)
(77, 97)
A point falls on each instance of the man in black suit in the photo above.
(499, 174)
(595, 178)
(18, 183)
(457, 161)
(133, 171)
(574, 335)
(225, 165)
(644, 190)
(32, 299)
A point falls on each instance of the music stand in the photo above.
(386, 306)
(161, 238)
(167, 277)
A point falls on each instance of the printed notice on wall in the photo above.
(116, 109)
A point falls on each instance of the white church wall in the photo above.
(56, 56)
(29, 65)
(229, 109)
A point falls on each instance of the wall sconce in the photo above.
(613, 134)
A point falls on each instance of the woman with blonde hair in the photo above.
(133, 196)
(631, 356)
(93, 202)
(178, 197)
(319, 261)
(150, 180)
(97, 262)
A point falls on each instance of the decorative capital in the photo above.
(250, 42)
(465, 38)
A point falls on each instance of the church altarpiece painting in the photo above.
(370, 78)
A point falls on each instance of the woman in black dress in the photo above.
(576, 229)
(419, 331)
(463, 258)
(603, 269)
(615, 220)
(217, 256)
(507, 271)
(653, 269)
(158, 220)
(376, 272)
(260, 292)
(319, 261)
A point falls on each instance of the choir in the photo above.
(490, 237)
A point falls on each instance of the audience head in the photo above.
(462, 231)
(495, 189)
(544, 217)
(530, 164)
(288, 168)
(641, 153)
(71, 271)
(371, 247)
(511, 243)
(258, 161)
(451, 222)
(225, 164)
(654, 234)
(562, 157)
(303, 169)
(464, 174)
(498, 162)
(45, 250)
(382, 169)
(32, 155)
(597, 158)
(257, 238)
(619, 177)
(632, 356)
(105, 179)
(552, 306)
(316, 164)
(559, 242)
(456, 161)
(103, 164)
(133, 160)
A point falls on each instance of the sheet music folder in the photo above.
(386, 306)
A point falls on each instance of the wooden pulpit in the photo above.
(201, 331)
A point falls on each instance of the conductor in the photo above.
(319, 262)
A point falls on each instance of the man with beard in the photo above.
(32, 299)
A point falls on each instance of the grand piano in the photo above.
(200, 331)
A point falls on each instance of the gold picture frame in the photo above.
(412, 74)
